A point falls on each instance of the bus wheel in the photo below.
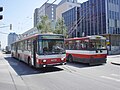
(12, 55)
(29, 62)
(70, 58)
(19, 57)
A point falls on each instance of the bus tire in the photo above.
(19, 57)
(12, 55)
(29, 62)
(70, 58)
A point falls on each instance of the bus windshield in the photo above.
(97, 44)
(51, 46)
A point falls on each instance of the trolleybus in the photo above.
(89, 49)
(40, 50)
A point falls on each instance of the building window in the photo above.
(117, 15)
(117, 2)
(70, 5)
(52, 8)
(110, 30)
(118, 30)
(112, 14)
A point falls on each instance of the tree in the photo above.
(44, 26)
(60, 27)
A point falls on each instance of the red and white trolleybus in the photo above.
(89, 49)
(40, 50)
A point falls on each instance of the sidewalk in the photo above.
(9, 80)
(116, 60)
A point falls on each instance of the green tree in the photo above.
(44, 26)
(60, 27)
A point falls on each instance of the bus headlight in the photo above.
(44, 65)
(44, 60)
(62, 58)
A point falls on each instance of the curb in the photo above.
(115, 63)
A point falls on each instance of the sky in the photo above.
(19, 13)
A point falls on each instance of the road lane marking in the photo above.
(116, 75)
(110, 78)
(67, 69)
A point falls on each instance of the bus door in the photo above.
(34, 52)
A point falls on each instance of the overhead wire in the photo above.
(78, 21)
(3, 33)
(4, 27)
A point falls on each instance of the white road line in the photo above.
(116, 75)
(110, 78)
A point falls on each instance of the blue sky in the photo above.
(19, 13)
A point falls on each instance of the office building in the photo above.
(100, 17)
(64, 6)
(12, 37)
(71, 17)
(46, 9)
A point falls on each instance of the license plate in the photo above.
(53, 60)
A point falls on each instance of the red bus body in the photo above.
(90, 49)
(31, 50)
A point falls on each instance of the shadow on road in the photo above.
(23, 69)
(82, 65)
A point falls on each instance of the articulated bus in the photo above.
(39, 51)
(89, 49)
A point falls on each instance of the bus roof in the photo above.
(77, 38)
(87, 37)
(35, 35)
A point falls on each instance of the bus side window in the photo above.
(77, 45)
(84, 45)
(29, 44)
(92, 45)
(66, 45)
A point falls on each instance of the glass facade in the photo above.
(71, 17)
(95, 17)
(100, 17)
(113, 16)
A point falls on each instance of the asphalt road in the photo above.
(73, 76)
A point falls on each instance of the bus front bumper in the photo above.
(50, 65)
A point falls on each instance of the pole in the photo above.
(76, 21)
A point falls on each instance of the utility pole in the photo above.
(76, 21)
